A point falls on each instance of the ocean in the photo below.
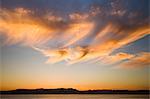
(75, 96)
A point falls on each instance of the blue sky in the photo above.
(82, 44)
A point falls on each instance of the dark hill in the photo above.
(72, 91)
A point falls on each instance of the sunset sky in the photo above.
(82, 44)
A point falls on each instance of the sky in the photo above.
(81, 44)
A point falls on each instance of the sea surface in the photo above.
(74, 96)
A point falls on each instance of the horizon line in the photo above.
(74, 89)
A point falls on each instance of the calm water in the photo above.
(74, 96)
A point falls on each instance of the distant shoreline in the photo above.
(72, 91)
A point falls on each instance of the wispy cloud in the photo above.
(112, 59)
(77, 37)
(140, 60)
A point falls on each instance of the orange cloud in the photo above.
(140, 60)
(18, 26)
(60, 39)
(78, 16)
(78, 31)
(111, 59)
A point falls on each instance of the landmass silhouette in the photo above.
(72, 91)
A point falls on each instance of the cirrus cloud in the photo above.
(79, 37)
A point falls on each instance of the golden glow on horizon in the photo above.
(76, 86)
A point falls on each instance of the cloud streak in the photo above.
(77, 37)
(140, 60)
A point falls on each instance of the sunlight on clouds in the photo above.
(111, 59)
(23, 26)
(77, 32)
(140, 60)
